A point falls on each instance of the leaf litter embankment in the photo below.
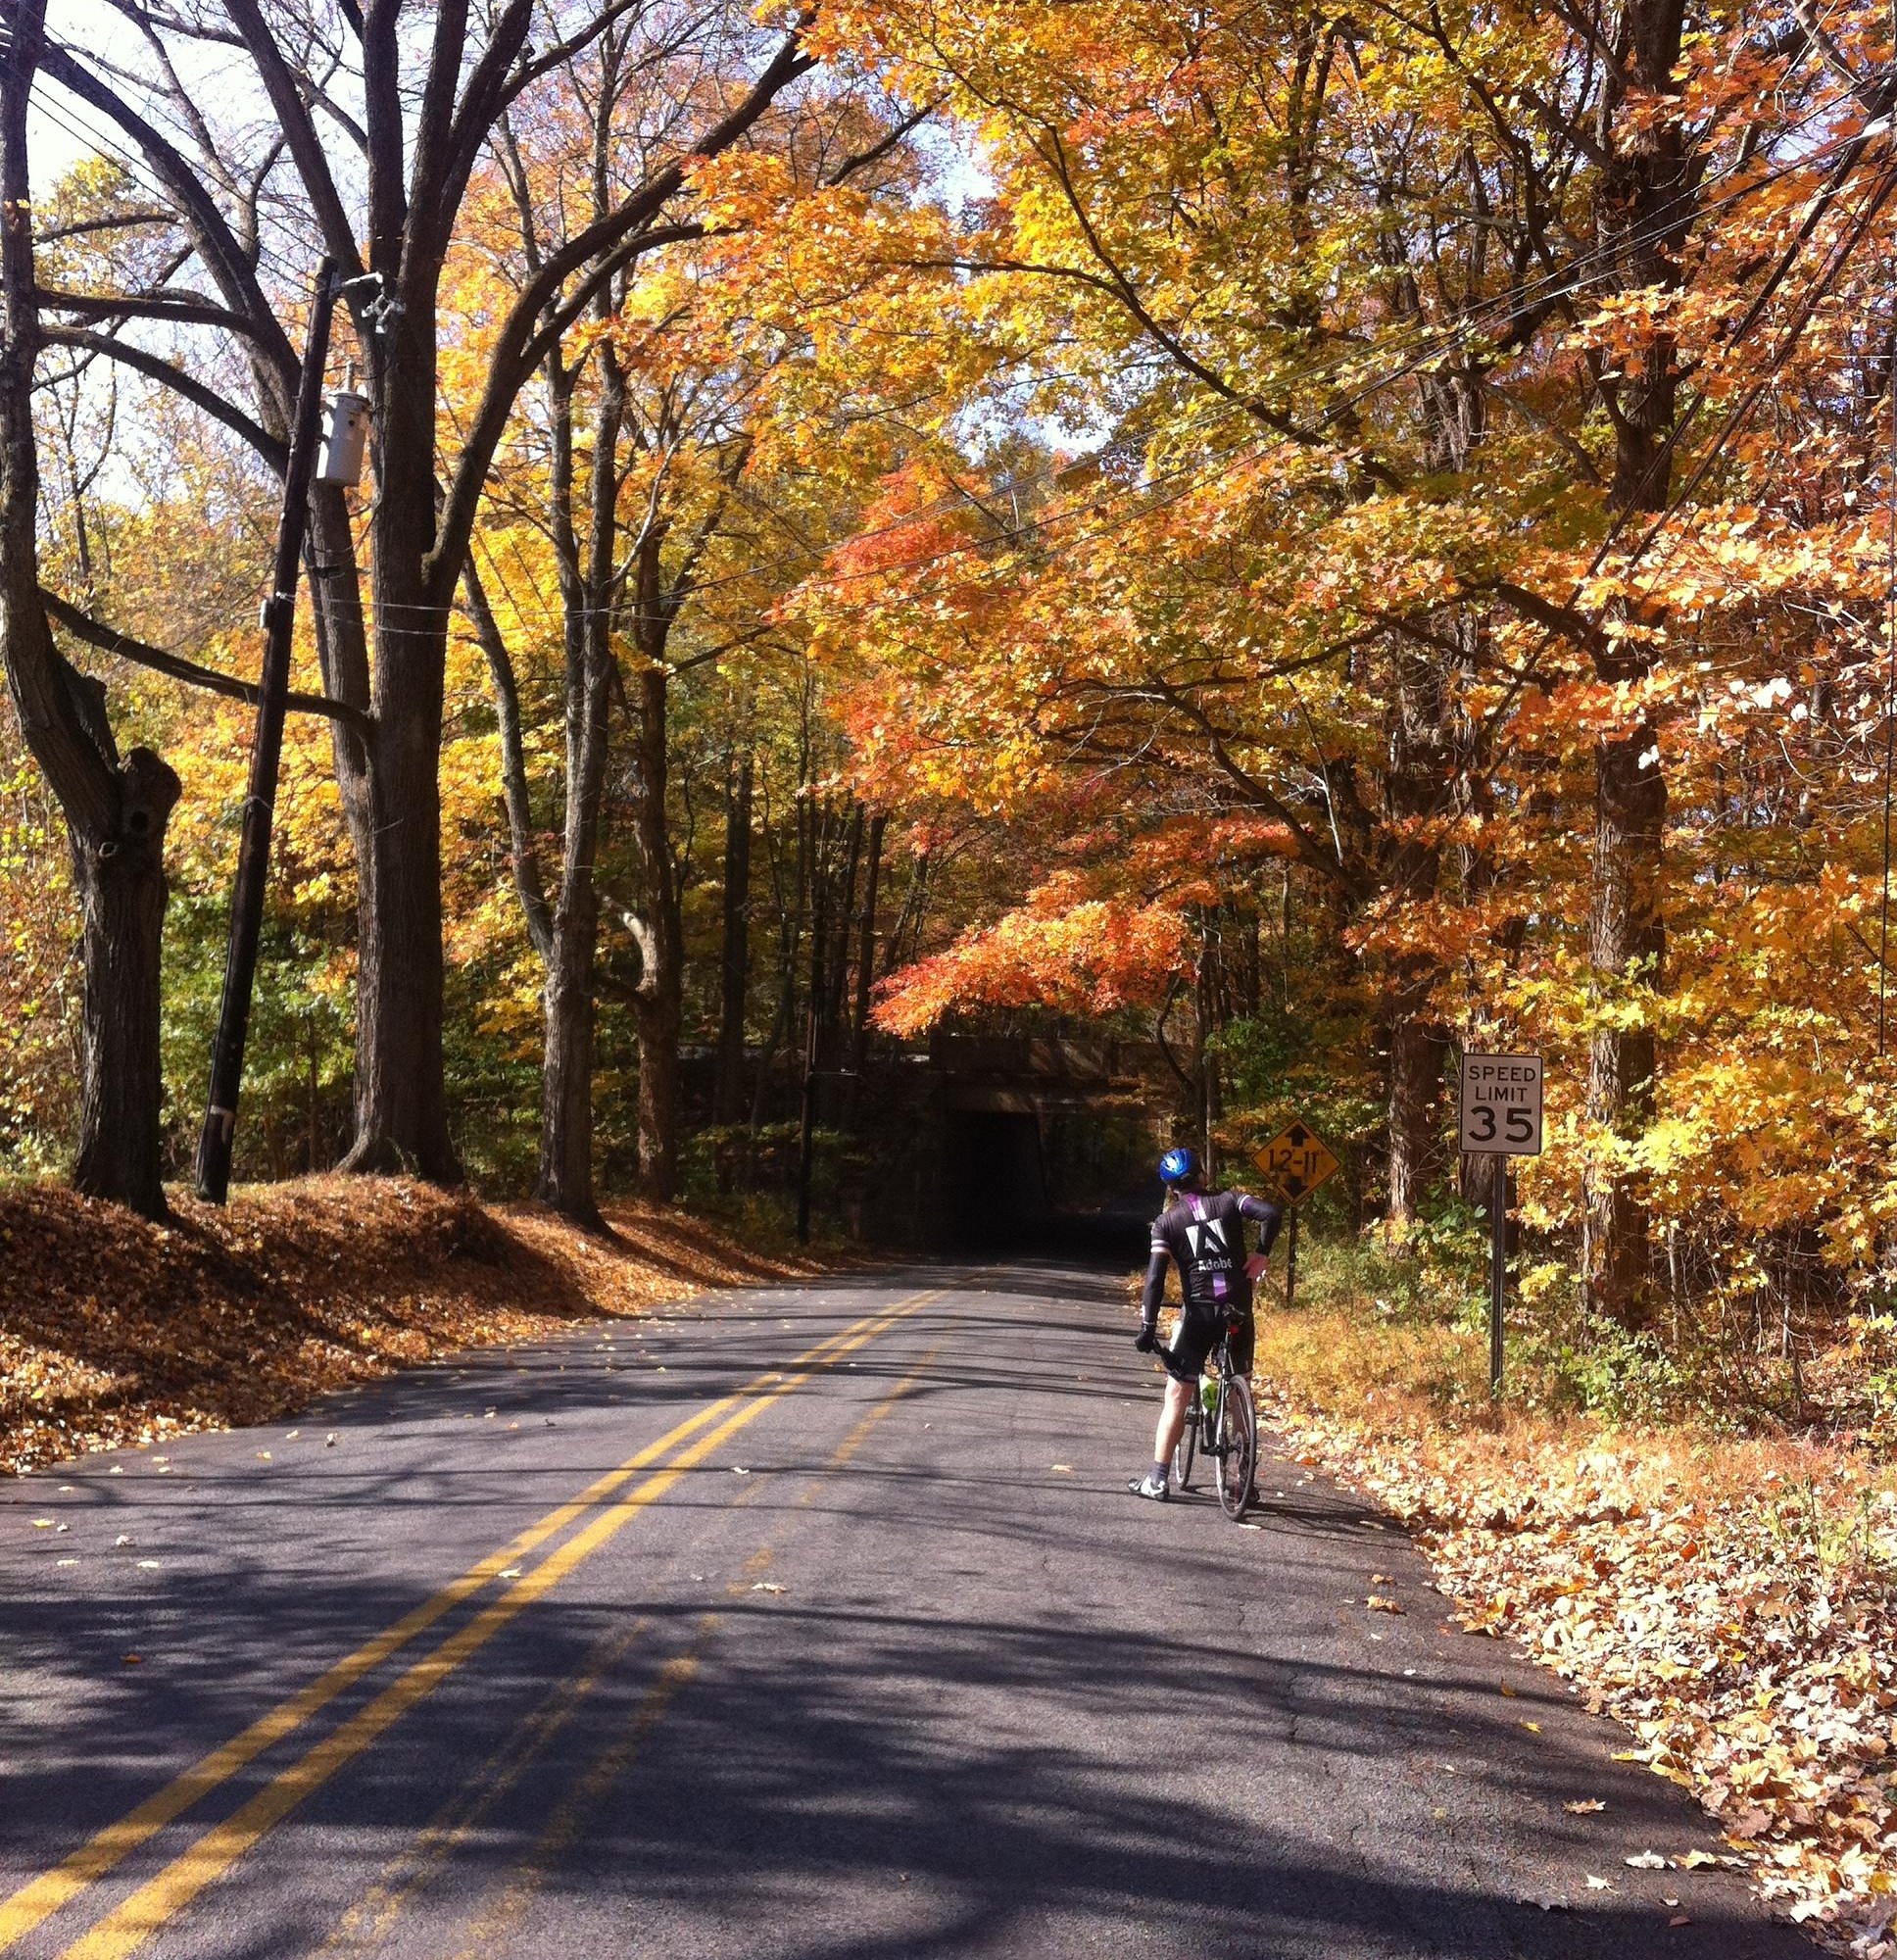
(1731, 1601)
(116, 1331)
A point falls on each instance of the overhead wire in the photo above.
(1427, 344)
(1551, 287)
(1432, 344)
(141, 172)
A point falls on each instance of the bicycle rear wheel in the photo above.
(1185, 1448)
(1238, 1458)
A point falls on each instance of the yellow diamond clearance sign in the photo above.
(1296, 1162)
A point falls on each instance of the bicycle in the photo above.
(1221, 1423)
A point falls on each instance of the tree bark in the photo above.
(865, 973)
(791, 920)
(122, 894)
(1646, 214)
(565, 1174)
(115, 812)
(566, 1085)
(838, 978)
(400, 1094)
(401, 1099)
(1416, 1051)
(659, 1002)
(1419, 790)
(1627, 946)
(735, 971)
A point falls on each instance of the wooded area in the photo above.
(1338, 535)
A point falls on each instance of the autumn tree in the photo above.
(376, 174)
(1392, 375)
(115, 807)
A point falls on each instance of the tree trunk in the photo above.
(566, 1179)
(122, 895)
(1626, 945)
(790, 936)
(659, 1020)
(865, 974)
(1647, 211)
(400, 1094)
(400, 1100)
(735, 972)
(658, 1007)
(838, 978)
(1419, 790)
(115, 812)
(1416, 1049)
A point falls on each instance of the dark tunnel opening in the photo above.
(1010, 1188)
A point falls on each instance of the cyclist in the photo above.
(1203, 1235)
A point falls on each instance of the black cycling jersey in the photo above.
(1204, 1237)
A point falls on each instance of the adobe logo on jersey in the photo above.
(1197, 1234)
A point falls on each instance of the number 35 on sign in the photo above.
(1501, 1105)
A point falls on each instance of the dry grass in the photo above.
(114, 1330)
(1430, 1383)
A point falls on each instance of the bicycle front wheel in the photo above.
(1184, 1449)
(1238, 1458)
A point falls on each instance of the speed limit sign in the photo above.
(1501, 1105)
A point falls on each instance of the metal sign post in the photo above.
(1499, 1116)
(1296, 1162)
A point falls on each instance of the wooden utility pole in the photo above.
(218, 1139)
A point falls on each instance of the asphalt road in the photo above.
(812, 1622)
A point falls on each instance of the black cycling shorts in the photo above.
(1199, 1328)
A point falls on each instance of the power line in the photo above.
(139, 169)
(1428, 344)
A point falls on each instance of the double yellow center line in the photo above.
(132, 1924)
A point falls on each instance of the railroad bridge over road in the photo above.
(1035, 1134)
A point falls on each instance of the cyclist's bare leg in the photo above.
(1172, 1420)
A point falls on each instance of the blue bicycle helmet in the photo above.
(1180, 1165)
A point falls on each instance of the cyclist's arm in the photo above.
(1267, 1218)
(1155, 1287)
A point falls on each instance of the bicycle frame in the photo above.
(1199, 1419)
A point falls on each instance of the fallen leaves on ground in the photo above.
(1732, 1602)
(117, 1331)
